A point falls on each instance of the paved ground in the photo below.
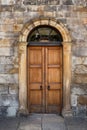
(43, 122)
(76, 123)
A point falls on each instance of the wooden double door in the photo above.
(45, 79)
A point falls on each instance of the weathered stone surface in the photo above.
(14, 14)
(80, 51)
(77, 90)
(40, 2)
(78, 61)
(7, 60)
(81, 69)
(9, 100)
(67, 2)
(12, 111)
(7, 2)
(8, 78)
(17, 27)
(80, 78)
(6, 28)
(3, 89)
(79, 2)
(6, 51)
(82, 100)
(13, 89)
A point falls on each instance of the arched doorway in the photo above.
(45, 68)
(66, 44)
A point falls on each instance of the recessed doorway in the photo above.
(45, 71)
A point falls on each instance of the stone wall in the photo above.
(13, 15)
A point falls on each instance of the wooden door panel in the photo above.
(35, 75)
(35, 79)
(54, 109)
(35, 55)
(51, 97)
(35, 86)
(53, 79)
(54, 56)
(35, 96)
(55, 86)
(54, 75)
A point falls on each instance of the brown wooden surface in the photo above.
(45, 70)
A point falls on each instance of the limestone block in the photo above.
(32, 8)
(17, 27)
(41, 2)
(1, 103)
(85, 61)
(6, 42)
(18, 15)
(73, 100)
(6, 60)
(5, 8)
(12, 111)
(8, 19)
(77, 90)
(6, 51)
(82, 100)
(50, 8)
(84, 20)
(80, 78)
(67, 2)
(59, 14)
(19, 8)
(79, 33)
(48, 14)
(79, 60)
(8, 88)
(6, 68)
(8, 78)
(79, 2)
(20, 21)
(2, 69)
(6, 28)
(80, 69)
(10, 100)
(3, 89)
(80, 51)
(13, 89)
(8, 35)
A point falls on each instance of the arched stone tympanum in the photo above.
(66, 111)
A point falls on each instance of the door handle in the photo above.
(48, 87)
(41, 88)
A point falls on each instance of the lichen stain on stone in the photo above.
(80, 78)
(16, 27)
(81, 69)
(40, 9)
(14, 70)
(82, 100)
(81, 9)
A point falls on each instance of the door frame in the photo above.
(23, 108)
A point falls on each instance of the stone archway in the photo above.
(23, 63)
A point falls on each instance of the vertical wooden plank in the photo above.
(53, 79)
(35, 79)
(46, 79)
